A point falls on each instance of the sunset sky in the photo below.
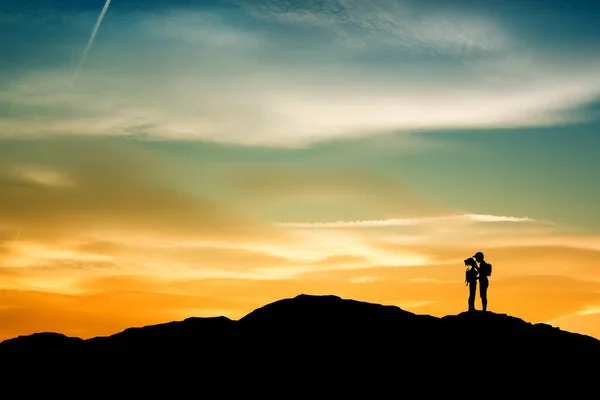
(204, 158)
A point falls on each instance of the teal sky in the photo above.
(485, 109)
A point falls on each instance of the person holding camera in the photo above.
(471, 280)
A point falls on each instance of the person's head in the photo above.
(470, 262)
(478, 256)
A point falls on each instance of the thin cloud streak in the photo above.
(406, 221)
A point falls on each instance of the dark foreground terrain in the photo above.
(310, 346)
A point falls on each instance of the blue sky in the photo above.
(489, 106)
(219, 121)
(515, 82)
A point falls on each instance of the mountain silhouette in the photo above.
(317, 346)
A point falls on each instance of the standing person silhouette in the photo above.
(471, 281)
(485, 270)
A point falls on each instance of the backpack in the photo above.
(486, 269)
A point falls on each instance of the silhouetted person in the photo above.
(485, 270)
(471, 281)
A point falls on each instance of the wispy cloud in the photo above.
(35, 174)
(363, 279)
(357, 23)
(466, 218)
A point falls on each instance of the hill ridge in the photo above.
(305, 298)
(312, 345)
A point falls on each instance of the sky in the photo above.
(167, 159)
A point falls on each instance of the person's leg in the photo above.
(483, 293)
(472, 292)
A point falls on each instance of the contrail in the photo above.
(91, 41)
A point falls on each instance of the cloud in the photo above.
(358, 23)
(207, 261)
(36, 175)
(363, 279)
(406, 221)
(230, 83)
(107, 189)
(206, 29)
(497, 218)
